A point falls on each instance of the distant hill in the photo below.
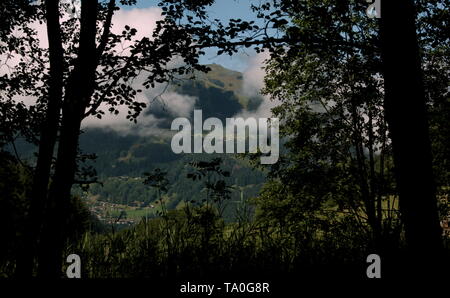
(226, 80)
(219, 93)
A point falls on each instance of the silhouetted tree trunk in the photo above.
(407, 119)
(80, 87)
(48, 133)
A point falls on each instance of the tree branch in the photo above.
(106, 29)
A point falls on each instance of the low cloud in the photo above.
(176, 104)
(253, 77)
(142, 19)
(161, 107)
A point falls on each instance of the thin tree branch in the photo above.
(106, 29)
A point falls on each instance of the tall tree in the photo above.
(73, 109)
(48, 134)
(406, 112)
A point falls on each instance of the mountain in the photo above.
(218, 93)
(223, 81)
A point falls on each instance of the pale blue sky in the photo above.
(223, 10)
